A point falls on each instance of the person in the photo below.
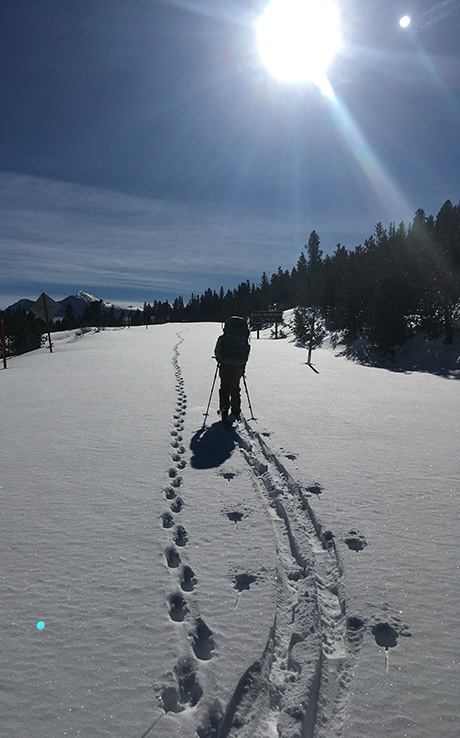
(232, 352)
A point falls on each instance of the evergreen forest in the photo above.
(401, 281)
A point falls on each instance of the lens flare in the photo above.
(297, 39)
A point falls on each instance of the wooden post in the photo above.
(311, 338)
(3, 342)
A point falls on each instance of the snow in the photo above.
(295, 575)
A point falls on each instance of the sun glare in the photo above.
(297, 39)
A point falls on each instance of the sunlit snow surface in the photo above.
(298, 572)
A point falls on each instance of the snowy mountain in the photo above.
(294, 575)
(79, 302)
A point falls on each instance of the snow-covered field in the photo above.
(294, 576)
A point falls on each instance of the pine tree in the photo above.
(301, 325)
(314, 269)
(23, 331)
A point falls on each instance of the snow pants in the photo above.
(229, 393)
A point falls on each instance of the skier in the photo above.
(232, 352)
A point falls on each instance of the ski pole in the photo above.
(247, 395)
(210, 396)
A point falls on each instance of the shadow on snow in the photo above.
(211, 447)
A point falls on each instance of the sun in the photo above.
(297, 39)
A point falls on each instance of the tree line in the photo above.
(402, 280)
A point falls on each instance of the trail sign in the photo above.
(266, 316)
(45, 308)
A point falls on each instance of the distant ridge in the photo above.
(23, 304)
(79, 302)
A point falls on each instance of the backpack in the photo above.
(234, 343)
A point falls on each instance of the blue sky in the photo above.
(145, 152)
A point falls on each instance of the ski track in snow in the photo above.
(310, 615)
(302, 679)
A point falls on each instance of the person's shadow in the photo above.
(211, 447)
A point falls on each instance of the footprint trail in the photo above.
(182, 687)
(300, 682)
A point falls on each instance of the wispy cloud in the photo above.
(64, 233)
(73, 237)
(438, 12)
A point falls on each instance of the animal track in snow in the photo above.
(167, 520)
(243, 581)
(172, 557)
(189, 688)
(385, 635)
(202, 641)
(177, 505)
(169, 493)
(170, 700)
(178, 609)
(187, 692)
(315, 489)
(180, 536)
(187, 579)
(235, 517)
(355, 540)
